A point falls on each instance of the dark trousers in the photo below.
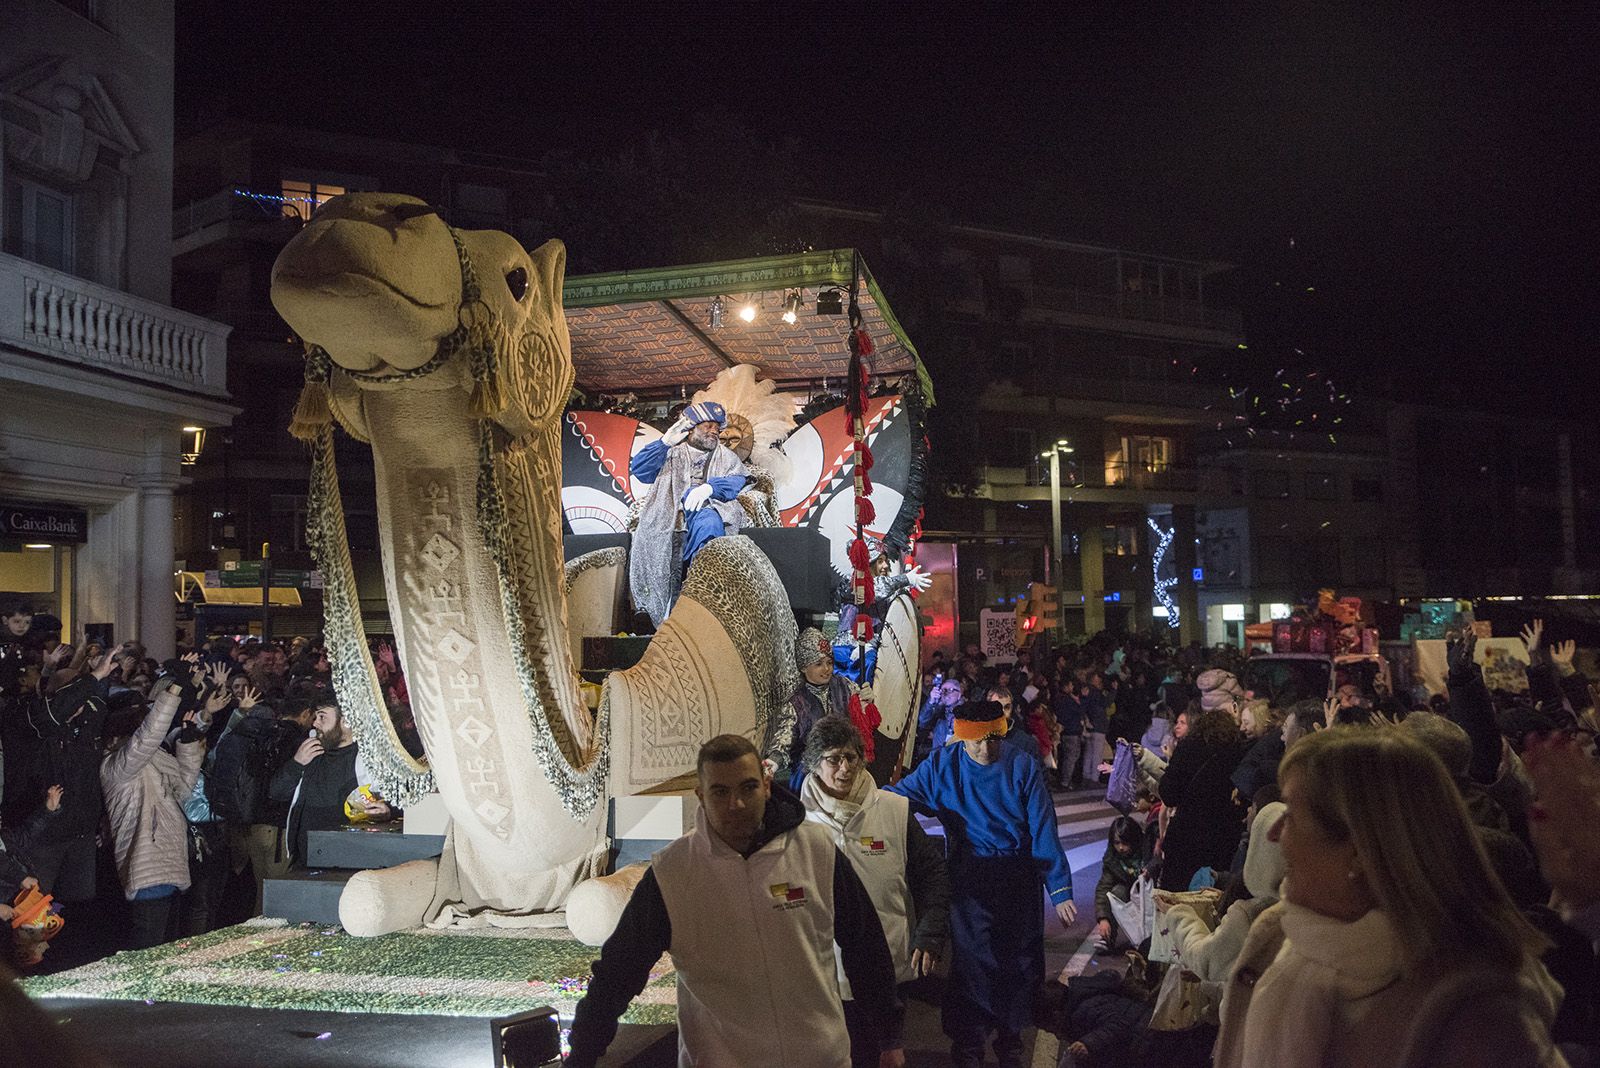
(65, 867)
(150, 922)
(997, 955)
(208, 877)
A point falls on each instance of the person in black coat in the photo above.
(1264, 726)
(1206, 822)
(315, 782)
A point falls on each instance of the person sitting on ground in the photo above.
(321, 776)
(1394, 943)
(1119, 868)
(902, 868)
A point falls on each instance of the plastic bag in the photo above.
(1122, 788)
(1137, 915)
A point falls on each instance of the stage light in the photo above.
(716, 313)
(830, 302)
(36, 545)
(791, 307)
(526, 1039)
(748, 312)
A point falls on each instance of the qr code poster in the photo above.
(997, 633)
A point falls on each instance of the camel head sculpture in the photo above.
(365, 284)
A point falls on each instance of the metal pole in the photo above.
(1055, 536)
(266, 593)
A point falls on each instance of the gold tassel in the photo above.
(313, 412)
(489, 342)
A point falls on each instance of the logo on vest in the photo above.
(785, 896)
(874, 847)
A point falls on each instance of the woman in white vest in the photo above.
(901, 867)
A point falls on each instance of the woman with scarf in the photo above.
(1394, 944)
(901, 867)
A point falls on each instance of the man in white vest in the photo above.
(751, 905)
(902, 868)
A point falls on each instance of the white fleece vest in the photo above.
(752, 942)
(875, 841)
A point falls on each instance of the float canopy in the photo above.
(649, 331)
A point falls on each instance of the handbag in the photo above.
(1137, 915)
(1204, 903)
(1122, 788)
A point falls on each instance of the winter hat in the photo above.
(706, 412)
(810, 647)
(977, 720)
(1219, 689)
(1263, 858)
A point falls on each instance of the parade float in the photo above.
(505, 407)
(454, 356)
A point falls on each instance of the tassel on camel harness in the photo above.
(312, 412)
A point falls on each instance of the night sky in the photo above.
(1432, 180)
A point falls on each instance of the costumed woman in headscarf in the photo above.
(822, 692)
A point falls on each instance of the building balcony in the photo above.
(1110, 483)
(1144, 312)
(57, 315)
(235, 213)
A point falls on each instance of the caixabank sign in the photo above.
(43, 523)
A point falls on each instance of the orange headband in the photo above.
(976, 730)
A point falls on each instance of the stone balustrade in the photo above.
(58, 315)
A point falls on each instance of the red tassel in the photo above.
(866, 721)
(866, 485)
(864, 342)
(865, 512)
(864, 457)
(858, 555)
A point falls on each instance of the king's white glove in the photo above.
(919, 579)
(677, 433)
(696, 498)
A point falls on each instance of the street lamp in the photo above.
(1053, 454)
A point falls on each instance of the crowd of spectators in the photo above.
(151, 800)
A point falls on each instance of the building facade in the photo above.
(104, 386)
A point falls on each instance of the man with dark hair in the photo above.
(751, 905)
(1000, 826)
(1016, 730)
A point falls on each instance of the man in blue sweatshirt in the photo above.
(1002, 843)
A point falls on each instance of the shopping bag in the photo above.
(1204, 903)
(1137, 915)
(1122, 789)
(1185, 1001)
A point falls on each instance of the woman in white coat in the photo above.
(1394, 946)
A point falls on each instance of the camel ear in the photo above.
(550, 268)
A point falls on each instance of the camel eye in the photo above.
(517, 282)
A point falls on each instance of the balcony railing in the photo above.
(56, 314)
(1141, 306)
(236, 204)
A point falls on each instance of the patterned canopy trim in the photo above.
(638, 330)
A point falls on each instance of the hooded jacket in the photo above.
(315, 794)
(145, 787)
(753, 940)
